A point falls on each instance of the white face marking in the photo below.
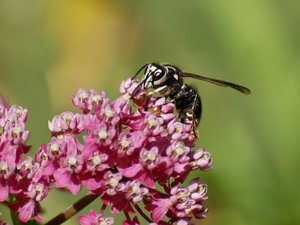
(157, 72)
(153, 68)
(148, 83)
(176, 76)
(157, 82)
(150, 69)
(153, 77)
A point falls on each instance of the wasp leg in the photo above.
(180, 93)
(195, 120)
(161, 89)
(143, 100)
(195, 102)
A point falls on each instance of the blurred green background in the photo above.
(49, 49)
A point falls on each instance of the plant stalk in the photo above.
(72, 210)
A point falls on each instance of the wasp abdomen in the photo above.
(188, 105)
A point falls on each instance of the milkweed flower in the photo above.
(94, 219)
(131, 152)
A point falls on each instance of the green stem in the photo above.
(73, 209)
(127, 216)
(141, 212)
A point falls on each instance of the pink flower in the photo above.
(101, 134)
(125, 145)
(64, 122)
(70, 168)
(19, 112)
(95, 219)
(121, 106)
(69, 175)
(135, 192)
(149, 162)
(180, 202)
(178, 152)
(4, 189)
(159, 208)
(27, 210)
(89, 100)
(16, 133)
(111, 183)
(152, 125)
(108, 114)
(201, 160)
(97, 162)
(38, 191)
(128, 86)
(178, 130)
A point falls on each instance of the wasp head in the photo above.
(154, 76)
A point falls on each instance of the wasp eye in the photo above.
(157, 74)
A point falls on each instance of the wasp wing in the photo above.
(237, 87)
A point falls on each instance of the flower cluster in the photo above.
(22, 178)
(130, 153)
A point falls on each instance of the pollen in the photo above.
(16, 132)
(68, 118)
(39, 188)
(96, 160)
(182, 195)
(44, 156)
(152, 122)
(3, 168)
(150, 157)
(135, 189)
(102, 134)
(97, 99)
(54, 149)
(108, 113)
(72, 161)
(18, 111)
(125, 143)
(113, 182)
(28, 166)
(178, 151)
(103, 223)
(178, 128)
(83, 96)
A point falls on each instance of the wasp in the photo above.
(168, 80)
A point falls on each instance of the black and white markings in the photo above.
(168, 80)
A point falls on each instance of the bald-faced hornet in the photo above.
(168, 80)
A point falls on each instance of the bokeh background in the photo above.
(49, 49)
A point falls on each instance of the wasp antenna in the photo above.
(138, 72)
(138, 87)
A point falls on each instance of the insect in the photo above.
(168, 80)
